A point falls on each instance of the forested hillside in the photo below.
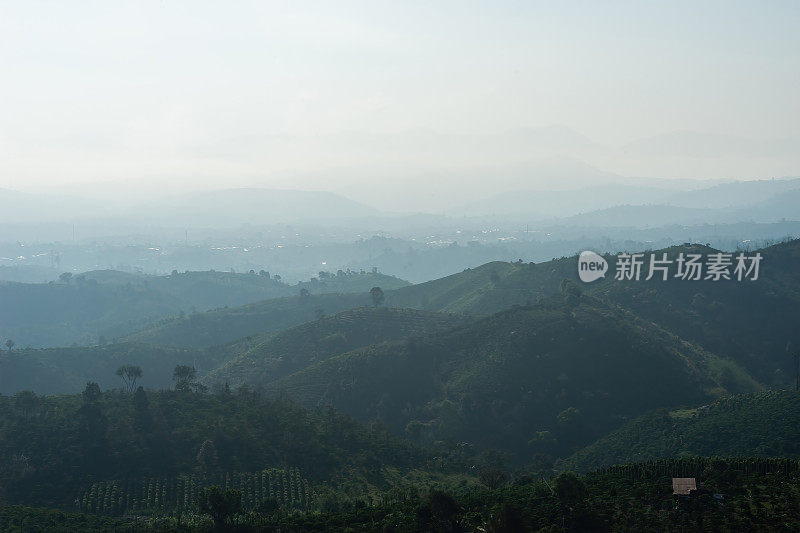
(545, 379)
(55, 449)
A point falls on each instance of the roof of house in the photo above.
(683, 486)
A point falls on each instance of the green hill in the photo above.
(66, 370)
(487, 289)
(544, 379)
(223, 326)
(110, 304)
(249, 360)
(298, 347)
(765, 424)
(478, 291)
(750, 322)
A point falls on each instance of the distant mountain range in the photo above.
(225, 207)
(637, 206)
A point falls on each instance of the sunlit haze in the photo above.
(365, 98)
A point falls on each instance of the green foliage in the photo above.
(765, 424)
(301, 346)
(221, 504)
(51, 451)
(573, 371)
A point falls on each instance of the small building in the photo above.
(683, 486)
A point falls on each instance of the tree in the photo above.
(493, 478)
(65, 277)
(143, 420)
(129, 375)
(795, 355)
(207, 456)
(221, 504)
(91, 393)
(91, 430)
(183, 375)
(26, 401)
(569, 489)
(304, 293)
(509, 519)
(439, 514)
(10, 344)
(377, 296)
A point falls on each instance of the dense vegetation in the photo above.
(765, 424)
(733, 495)
(354, 415)
(55, 448)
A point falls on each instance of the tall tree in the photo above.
(377, 296)
(129, 375)
(183, 375)
(221, 504)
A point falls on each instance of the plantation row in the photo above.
(696, 466)
(286, 487)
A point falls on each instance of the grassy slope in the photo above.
(293, 349)
(765, 424)
(499, 381)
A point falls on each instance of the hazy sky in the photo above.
(334, 94)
